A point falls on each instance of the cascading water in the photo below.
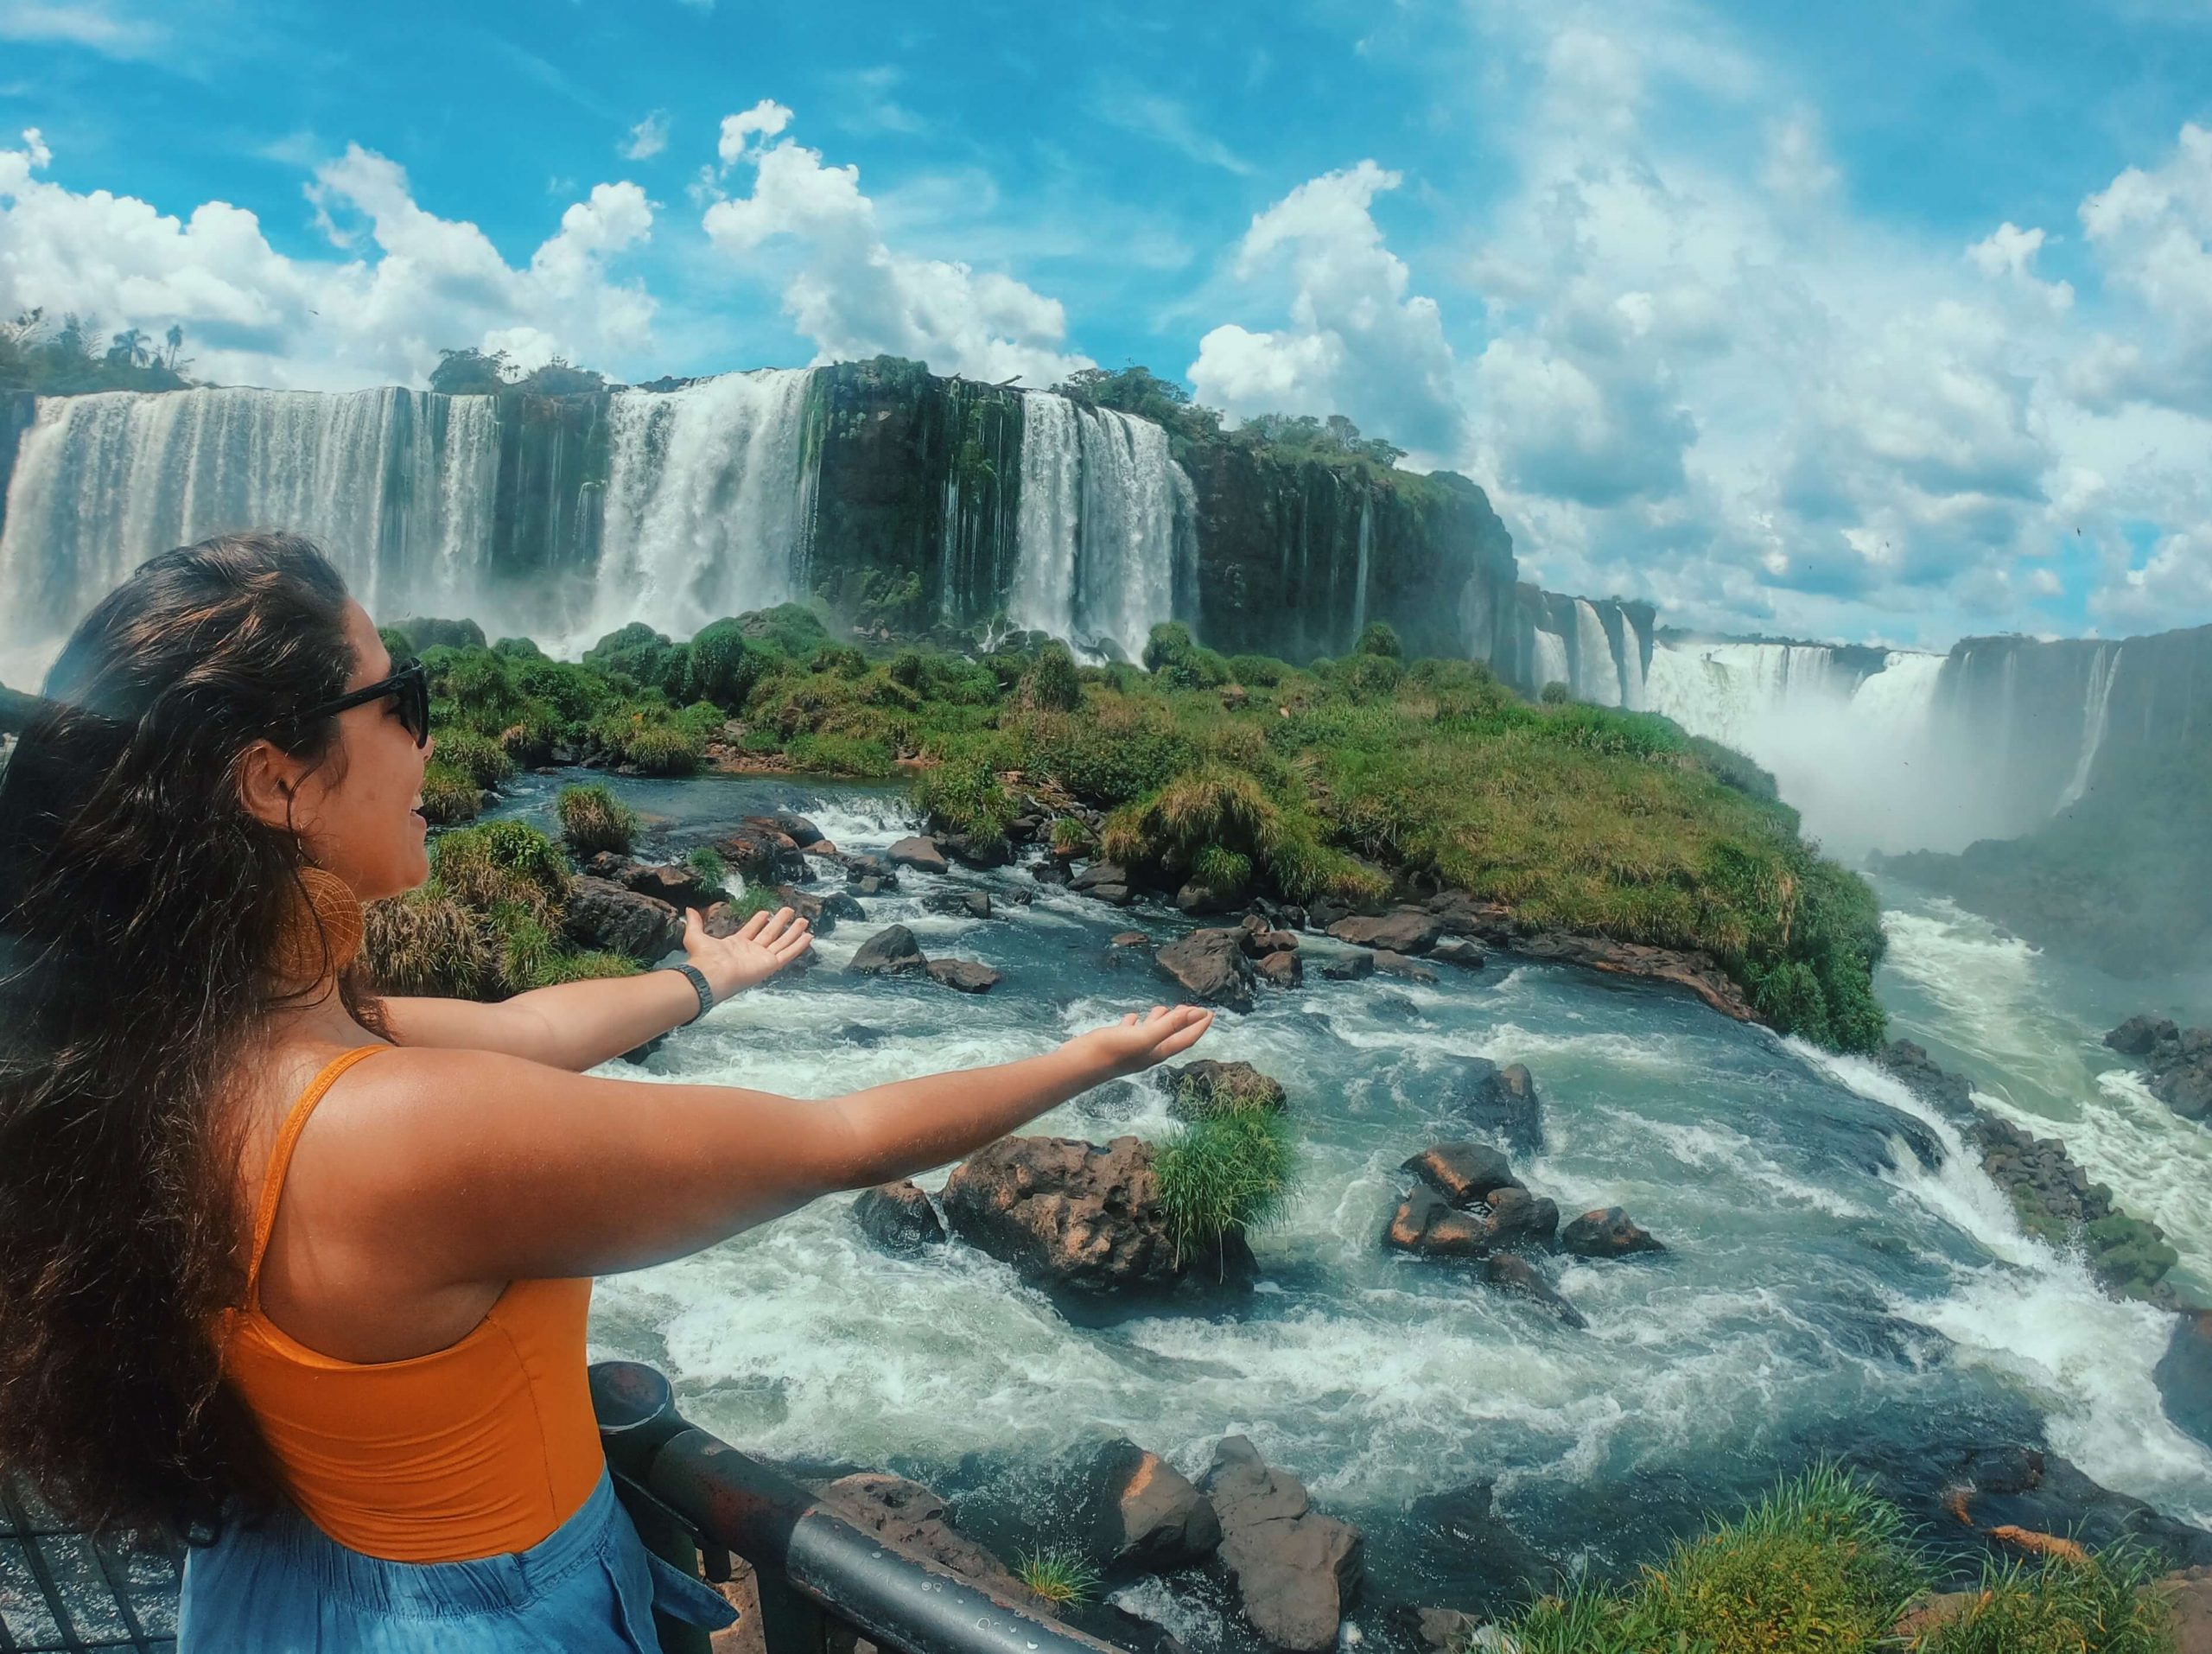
(1636, 694)
(2096, 718)
(1551, 661)
(396, 486)
(1101, 505)
(1597, 674)
(710, 504)
(1366, 557)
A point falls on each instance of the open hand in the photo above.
(756, 950)
(1136, 1043)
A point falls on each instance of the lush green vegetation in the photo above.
(593, 819)
(1822, 1565)
(59, 359)
(1064, 1578)
(1237, 778)
(1224, 1175)
(486, 924)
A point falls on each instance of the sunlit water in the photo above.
(1826, 1293)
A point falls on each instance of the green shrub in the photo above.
(1379, 637)
(1051, 683)
(662, 750)
(708, 867)
(1064, 1578)
(430, 634)
(518, 649)
(1173, 655)
(448, 795)
(1820, 1566)
(593, 819)
(426, 943)
(858, 757)
(2109, 1604)
(1224, 1175)
(501, 864)
(478, 757)
(1257, 671)
(966, 796)
(590, 966)
(397, 643)
(719, 666)
(1070, 837)
(638, 653)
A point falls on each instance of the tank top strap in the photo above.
(280, 1158)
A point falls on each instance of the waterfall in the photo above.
(1635, 696)
(1102, 503)
(1596, 675)
(396, 486)
(710, 504)
(1366, 557)
(1551, 661)
(2096, 718)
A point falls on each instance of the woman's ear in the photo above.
(269, 782)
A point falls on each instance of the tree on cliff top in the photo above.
(471, 372)
(69, 359)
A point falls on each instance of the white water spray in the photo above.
(2096, 718)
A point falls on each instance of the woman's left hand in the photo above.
(763, 945)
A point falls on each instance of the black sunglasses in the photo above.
(408, 682)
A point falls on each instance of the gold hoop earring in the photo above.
(324, 934)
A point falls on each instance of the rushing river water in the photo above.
(1826, 1293)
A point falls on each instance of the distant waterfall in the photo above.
(396, 486)
(1636, 694)
(1733, 691)
(1101, 509)
(1551, 661)
(1597, 674)
(2096, 719)
(709, 507)
(1366, 557)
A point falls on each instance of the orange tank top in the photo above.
(479, 1449)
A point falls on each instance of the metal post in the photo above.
(636, 1407)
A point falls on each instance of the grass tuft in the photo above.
(1064, 1578)
(1224, 1175)
(593, 819)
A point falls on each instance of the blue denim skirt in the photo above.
(589, 1586)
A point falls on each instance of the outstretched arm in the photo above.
(579, 1025)
(468, 1167)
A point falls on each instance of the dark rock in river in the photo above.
(1461, 1527)
(963, 975)
(1106, 882)
(1516, 1275)
(1427, 1224)
(1129, 939)
(1212, 967)
(1261, 938)
(1295, 1570)
(1501, 1101)
(1911, 1064)
(1408, 931)
(898, 1217)
(1606, 1233)
(1067, 1213)
(908, 1517)
(797, 827)
(1355, 966)
(678, 886)
(892, 951)
(1140, 1514)
(959, 904)
(973, 851)
(1465, 1174)
(2184, 1375)
(763, 853)
(2010, 1490)
(1206, 1088)
(920, 854)
(1457, 950)
(2178, 1061)
(822, 912)
(870, 874)
(1399, 964)
(1280, 969)
(602, 916)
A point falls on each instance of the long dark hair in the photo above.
(140, 907)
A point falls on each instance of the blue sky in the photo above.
(1885, 321)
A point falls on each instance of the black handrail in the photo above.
(696, 1497)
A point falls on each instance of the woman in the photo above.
(301, 1274)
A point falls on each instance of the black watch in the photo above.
(699, 986)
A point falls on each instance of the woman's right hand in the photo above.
(1136, 1043)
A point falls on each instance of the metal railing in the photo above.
(822, 1579)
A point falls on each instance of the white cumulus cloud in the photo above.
(404, 283)
(853, 294)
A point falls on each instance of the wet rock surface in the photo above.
(605, 916)
(2177, 1061)
(1295, 1570)
(1502, 1102)
(892, 951)
(919, 853)
(1202, 1089)
(898, 1217)
(1606, 1233)
(963, 975)
(1212, 968)
(1079, 1216)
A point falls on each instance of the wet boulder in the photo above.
(1296, 1571)
(1204, 1089)
(1501, 1100)
(1606, 1233)
(898, 1217)
(1457, 950)
(1211, 967)
(1460, 1529)
(1280, 970)
(959, 904)
(761, 853)
(963, 975)
(1401, 966)
(603, 916)
(1406, 930)
(910, 1518)
(1355, 966)
(919, 853)
(678, 886)
(1263, 939)
(892, 951)
(1428, 1225)
(1465, 1174)
(2184, 1376)
(801, 831)
(2177, 1062)
(976, 849)
(870, 875)
(1105, 882)
(1128, 940)
(1140, 1514)
(1510, 1272)
(1078, 1216)
(823, 913)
